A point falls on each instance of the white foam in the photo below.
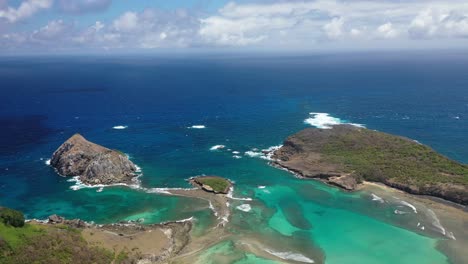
(100, 189)
(436, 222)
(253, 154)
(120, 127)
(197, 127)
(237, 157)
(325, 121)
(138, 169)
(213, 209)
(244, 207)
(456, 117)
(409, 205)
(377, 198)
(164, 190)
(231, 191)
(398, 212)
(217, 147)
(290, 256)
(47, 162)
(261, 187)
(265, 154)
(236, 152)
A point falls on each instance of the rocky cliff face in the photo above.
(345, 155)
(94, 164)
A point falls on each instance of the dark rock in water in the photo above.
(94, 164)
(345, 155)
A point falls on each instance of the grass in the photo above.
(50, 244)
(218, 184)
(378, 156)
(16, 237)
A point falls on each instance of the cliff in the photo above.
(346, 155)
(94, 164)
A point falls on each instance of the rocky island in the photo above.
(347, 155)
(94, 164)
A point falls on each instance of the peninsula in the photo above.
(347, 155)
(94, 164)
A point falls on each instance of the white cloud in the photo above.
(334, 29)
(126, 22)
(52, 30)
(440, 22)
(26, 9)
(268, 24)
(387, 31)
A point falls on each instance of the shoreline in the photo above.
(363, 184)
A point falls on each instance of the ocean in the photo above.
(168, 112)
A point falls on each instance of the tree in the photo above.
(11, 217)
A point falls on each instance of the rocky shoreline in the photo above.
(344, 156)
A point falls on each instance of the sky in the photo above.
(114, 26)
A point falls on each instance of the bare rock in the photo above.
(94, 164)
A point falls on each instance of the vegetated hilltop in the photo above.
(345, 155)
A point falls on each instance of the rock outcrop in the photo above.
(345, 155)
(94, 164)
(213, 184)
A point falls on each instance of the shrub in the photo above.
(11, 217)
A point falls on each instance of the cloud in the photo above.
(25, 10)
(387, 31)
(83, 6)
(440, 22)
(127, 22)
(273, 24)
(334, 29)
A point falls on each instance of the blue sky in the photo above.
(80, 26)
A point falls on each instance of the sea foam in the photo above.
(409, 205)
(244, 207)
(326, 121)
(217, 147)
(377, 198)
(290, 256)
(265, 154)
(197, 127)
(120, 127)
(230, 196)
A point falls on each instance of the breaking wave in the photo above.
(326, 121)
(409, 205)
(120, 127)
(377, 198)
(244, 207)
(197, 127)
(265, 154)
(217, 147)
(290, 256)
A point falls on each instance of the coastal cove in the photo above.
(274, 217)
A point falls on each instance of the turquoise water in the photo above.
(244, 104)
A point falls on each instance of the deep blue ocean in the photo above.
(244, 101)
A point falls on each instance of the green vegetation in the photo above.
(11, 217)
(36, 243)
(217, 183)
(378, 156)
